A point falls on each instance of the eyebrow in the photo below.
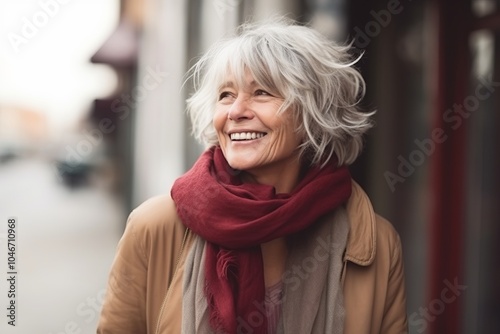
(231, 84)
(228, 84)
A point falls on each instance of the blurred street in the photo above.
(66, 239)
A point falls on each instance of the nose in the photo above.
(240, 110)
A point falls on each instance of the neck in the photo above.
(283, 178)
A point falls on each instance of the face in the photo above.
(252, 135)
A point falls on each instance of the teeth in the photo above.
(247, 135)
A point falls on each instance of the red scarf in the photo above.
(235, 218)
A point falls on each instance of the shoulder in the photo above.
(388, 239)
(154, 222)
(375, 270)
(143, 263)
(154, 213)
(385, 229)
(369, 232)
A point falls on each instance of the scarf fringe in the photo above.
(226, 264)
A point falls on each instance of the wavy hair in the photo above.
(314, 75)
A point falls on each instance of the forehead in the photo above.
(231, 81)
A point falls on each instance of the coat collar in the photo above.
(362, 240)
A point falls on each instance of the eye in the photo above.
(262, 93)
(224, 95)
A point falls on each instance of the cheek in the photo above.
(287, 134)
(219, 120)
(290, 139)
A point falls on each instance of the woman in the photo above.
(267, 233)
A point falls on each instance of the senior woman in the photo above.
(267, 232)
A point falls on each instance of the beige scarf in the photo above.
(312, 294)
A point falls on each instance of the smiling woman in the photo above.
(268, 220)
(254, 136)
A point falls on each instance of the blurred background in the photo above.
(92, 123)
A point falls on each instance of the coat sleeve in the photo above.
(395, 317)
(124, 307)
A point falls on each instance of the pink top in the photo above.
(273, 301)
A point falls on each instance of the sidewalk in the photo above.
(66, 240)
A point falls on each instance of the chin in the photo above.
(240, 163)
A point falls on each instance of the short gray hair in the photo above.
(313, 74)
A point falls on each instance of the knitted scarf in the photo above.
(235, 218)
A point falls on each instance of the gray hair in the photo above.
(314, 75)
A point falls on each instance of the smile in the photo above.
(246, 135)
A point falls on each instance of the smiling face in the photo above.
(253, 136)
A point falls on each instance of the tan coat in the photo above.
(154, 246)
